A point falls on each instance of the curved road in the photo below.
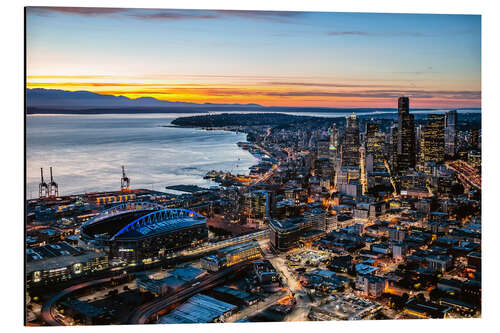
(47, 314)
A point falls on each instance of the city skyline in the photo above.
(142, 207)
(271, 58)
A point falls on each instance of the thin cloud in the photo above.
(327, 85)
(415, 34)
(374, 94)
(273, 16)
(423, 94)
(82, 11)
(348, 33)
(174, 15)
(377, 34)
(111, 84)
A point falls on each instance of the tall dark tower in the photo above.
(406, 135)
(351, 144)
(450, 132)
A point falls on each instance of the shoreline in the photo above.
(224, 157)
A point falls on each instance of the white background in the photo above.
(12, 147)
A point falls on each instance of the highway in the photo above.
(469, 176)
(148, 310)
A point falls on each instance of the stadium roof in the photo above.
(162, 227)
(159, 222)
(124, 222)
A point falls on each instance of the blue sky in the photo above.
(273, 58)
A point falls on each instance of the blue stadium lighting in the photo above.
(157, 216)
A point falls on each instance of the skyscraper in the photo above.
(374, 142)
(371, 129)
(450, 134)
(406, 135)
(418, 139)
(474, 139)
(433, 139)
(323, 148)
(394, 148)
(334, 145)
(350, 146)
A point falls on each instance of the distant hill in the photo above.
(39, 98)
(53, 101)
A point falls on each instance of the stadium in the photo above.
(140, 232)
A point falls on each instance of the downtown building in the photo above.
(334, 144)
(405, 135)
(450, 132)
(258, 203)
(351, 143)
(393, 147)
(375, 146)
(433, 139)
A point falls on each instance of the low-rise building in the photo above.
(231, 255)
(439, 262)
(371, 285)
(265, 272)
(56, 263)
(422, 309)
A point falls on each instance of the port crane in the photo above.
(53, 187)
(43, 187)
(125, 184)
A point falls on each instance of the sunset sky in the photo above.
(269, 58)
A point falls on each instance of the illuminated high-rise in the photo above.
(406, 135)
(433, 139)
(334, 144)
(450, 132)
(375, 144)
(351, 144)
(394, 148)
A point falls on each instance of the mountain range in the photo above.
(39, 98)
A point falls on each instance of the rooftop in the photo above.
(198, 309)
(164, 226)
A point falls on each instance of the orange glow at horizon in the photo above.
(264, 93)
